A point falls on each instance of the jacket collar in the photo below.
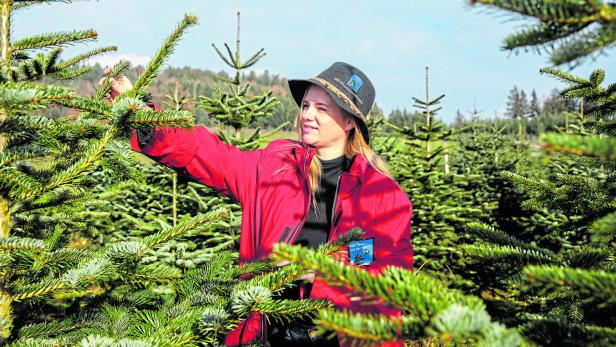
(305, 153)
(359, 166)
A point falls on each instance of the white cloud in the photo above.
(111, 59)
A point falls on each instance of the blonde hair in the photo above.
(355, 144)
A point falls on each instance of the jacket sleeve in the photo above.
(203, 156)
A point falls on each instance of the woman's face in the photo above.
(323, 123)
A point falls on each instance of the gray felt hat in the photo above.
(349, 88)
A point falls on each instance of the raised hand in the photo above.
(119, 85)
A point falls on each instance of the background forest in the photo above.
(539, 114)
(514, 218)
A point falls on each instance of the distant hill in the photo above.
(193, 83)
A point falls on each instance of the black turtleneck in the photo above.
(318, 223)
(314, 233)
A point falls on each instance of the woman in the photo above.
(306, 191)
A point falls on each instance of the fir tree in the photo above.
(534, 108)
(560, 287)
(569, 30)
(163, 199)
(483, 153)
(129, 300)
(443, 204)
(514, 110)
(459, 119)
(568, 281)
(236, 107)
(45, 177)
(523, 106)
(518, 109)
(430, 309)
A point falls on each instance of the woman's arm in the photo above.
(195, 151)
(203, 156)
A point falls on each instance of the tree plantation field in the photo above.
(186, 85)
(513, 227)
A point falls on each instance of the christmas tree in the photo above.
(45, 180)
(558, 286)
(234, 106)
(570, 30)
(424, 173)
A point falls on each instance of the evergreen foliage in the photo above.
(219, 300)
(482, 151)
(565, 282)
(97, 249)
(195, 308)
(430, 308)
(424, 172)
(570, 30)
(46, 184)
(162, 199)
(236, 107)
(528, 120)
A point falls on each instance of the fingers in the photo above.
(365, 299)
(283, 263)
(119, 85)
(111, 94)
(106, 72)
(308, 276)
(123, 83)
(341, 255)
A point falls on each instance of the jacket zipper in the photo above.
(293, 235)
(333, 216)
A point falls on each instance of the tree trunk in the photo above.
(5, 35)
(6, 321)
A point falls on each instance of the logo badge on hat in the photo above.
(355, 83)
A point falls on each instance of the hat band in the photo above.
(341, 95)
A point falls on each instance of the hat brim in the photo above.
(298, 89)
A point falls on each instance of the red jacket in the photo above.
(272, 187)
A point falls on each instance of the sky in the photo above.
(391, 41)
